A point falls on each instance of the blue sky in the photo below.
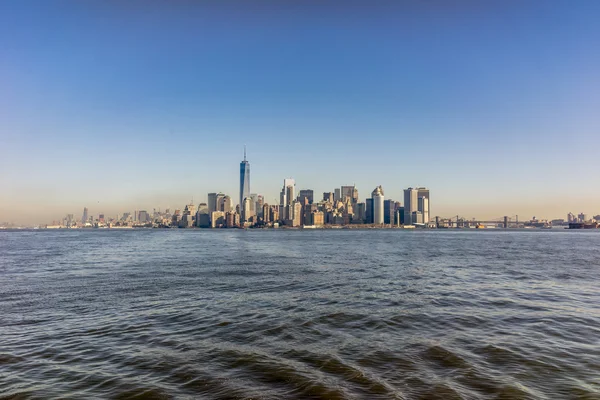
(126, 105)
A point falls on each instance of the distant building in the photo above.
(359, 213)
(417, 217)
(287, 196)
(266, 214)
(246, 210)
(306, 194)
(328, 197)
(337, 195)
(84, 218)
(369, 211)
(225, 204)
(423, 207)
(349, 192)
(212, 202)
(317, 218)
(143, 217)
(389, 207)
(217, 219)
(378, 212)
(244, 179)
(411, 204)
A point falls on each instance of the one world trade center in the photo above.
(244, 180)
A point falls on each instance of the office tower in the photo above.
(142, 217)
(369, 211)
(296, 213)
(84, 218)
(316, 218)
(389, 207)
(423, 207)
(230, 219)
(190, 209)
(266, 213)
(571, 217)
(260, 200)
(225, 204)
(349, 192)
(417, 217)
(410, 204)
(308, 194)
(202, 216)
(217, 219)
(253, 202)
(424, 192)
(336, 195)
(328, 197)
(377, 196)
(212, 202)
(359, 213)
(287, 196)
(246, 210)
(219, 201)
(244, 179)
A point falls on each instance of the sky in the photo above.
(121, 106)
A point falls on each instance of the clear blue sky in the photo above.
(495, 106)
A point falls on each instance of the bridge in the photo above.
(462, 222)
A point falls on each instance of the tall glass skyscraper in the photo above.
(244, 180)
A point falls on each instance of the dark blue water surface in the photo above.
(300, 314)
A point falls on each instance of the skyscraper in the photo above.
(287, 196)
(244, 179)
(410, 205)
(84, 218)
(212, 202)
(378, 212)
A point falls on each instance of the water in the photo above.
(300, 314)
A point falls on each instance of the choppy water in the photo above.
(300, 314)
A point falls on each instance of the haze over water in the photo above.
(299, 314)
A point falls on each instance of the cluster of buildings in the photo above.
(299, 208)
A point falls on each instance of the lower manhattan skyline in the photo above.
(491, 107)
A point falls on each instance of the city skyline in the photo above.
(491, 106)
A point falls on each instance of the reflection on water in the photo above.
(297, 314)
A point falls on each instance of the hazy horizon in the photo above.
(121, 107)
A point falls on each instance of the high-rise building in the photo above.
(359, 213)
(84, 218)
(349, 192)
(225, 204)
(306, 193)
(369, 211)
(424, 192)
(260, 200)
(266, 213)
(219, 201)
(287, 196)
(143, 217)
(244, 179)
(328, 197)
(336, 195)
(378, 212)
(411, 205)
(423, 207)
(389, 207)
(246, 210)
(212, 202)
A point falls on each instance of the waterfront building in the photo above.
(369, 211)
(423, 207)
(229, 219)
(244, 179)
(84, 218)
(260, 200)
(424, 192)
(217, 219)
(571, 218)
(328, 197)
(411, 205)
(337, 195)
(359, 213)
(389, 207)
(378, 212)
(316, 218)
(266, 213)
(417, 218)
